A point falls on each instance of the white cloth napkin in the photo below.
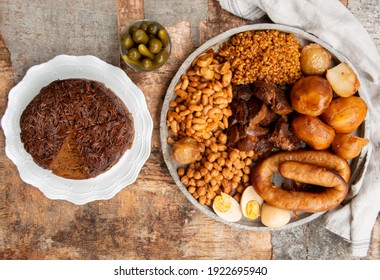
(332, 22)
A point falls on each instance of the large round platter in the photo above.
(358, 165)
(106, 185)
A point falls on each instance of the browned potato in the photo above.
(345, 114)
(313, 131)
(343, 80)
(315, 60)
(186, 151)
(348, 146)
(311, 95)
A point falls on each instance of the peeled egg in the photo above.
(227, 208)
(274, 217)
(250, 203)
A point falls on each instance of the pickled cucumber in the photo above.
(145, 51)
(127, 41)
(140, 37)
(155, 45)
(164, 36)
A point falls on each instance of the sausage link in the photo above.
(314, 167)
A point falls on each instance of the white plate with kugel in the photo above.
(105, 185)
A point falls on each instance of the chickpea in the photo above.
(213, 182)
(203, 171)
(245, 178)
(237, 164)
(236, 179)
(250, 153)
(216, 165)
(191, 189)
(214, 173)
(210, 193)
(185, 180)
(240, 189)
(181, 171)
(214, 147)
(197, 175)
(207, 178)
(243, 154)
(234, 155)
(227, 189)
(234, 184)
(200, 183)
(216, 189)
(225, 172)
(208, 165)
(190, 172)
(221, 161)
(202, 191)
(212, 157)
(246, 170)
(219, 177)
(248, 161)
(228, 162)
(192, 182)
(202, 200)
(195, 195)
(223, 139)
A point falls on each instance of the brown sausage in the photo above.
(324, 165)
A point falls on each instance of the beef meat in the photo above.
(280, 104)
(283, 137)
(264, 91)
(270, 118)
(242, 92)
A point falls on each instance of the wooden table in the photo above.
(150, 219)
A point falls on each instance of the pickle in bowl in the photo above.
(145, 45)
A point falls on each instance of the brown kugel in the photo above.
(76, 128)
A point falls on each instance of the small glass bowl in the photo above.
(145, 45)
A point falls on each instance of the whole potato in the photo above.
(313, 131)
(311, 95)
(315, 60)
(348, 146)
(186, 151)
(274, 217)
(345, 114)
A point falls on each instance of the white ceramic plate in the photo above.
(106, 185)
(358, 165)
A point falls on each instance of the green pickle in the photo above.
(155, 45)
(161, 57)
(127, 41)
(140, 37)
(130, 61)
(132, 29)
(134, 54)
(164, 36)
(144, 26)
(147, 64)
(153, 29)
(145, 51)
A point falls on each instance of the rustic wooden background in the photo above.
(150, 219)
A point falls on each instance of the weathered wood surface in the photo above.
(151, 219)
